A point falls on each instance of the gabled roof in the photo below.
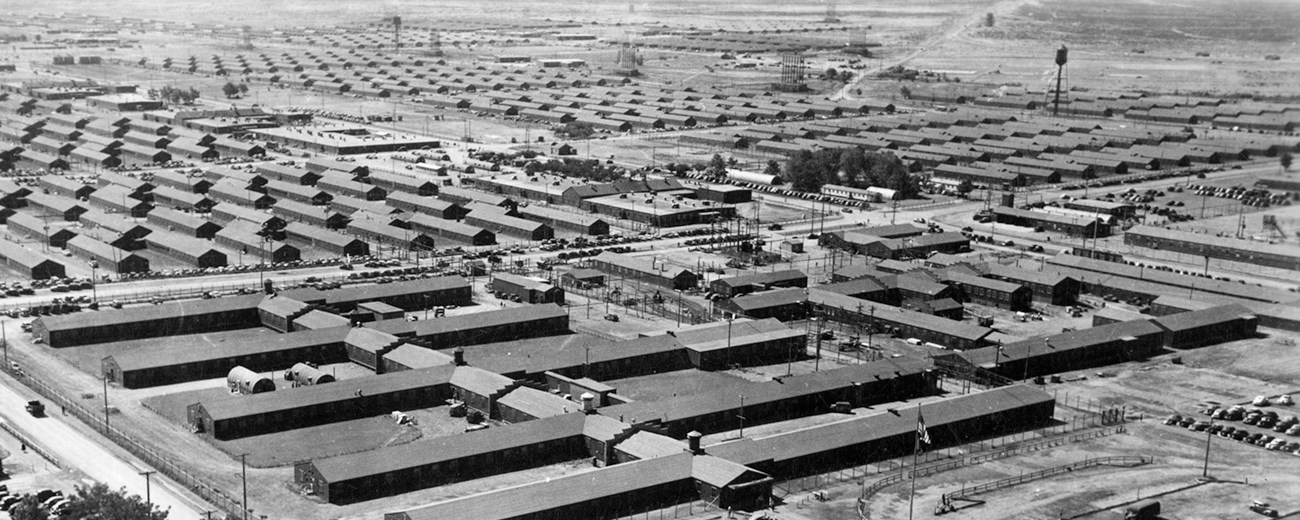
(647, 445)
(341, 391)
(478, 381)
(537, 403)
(1201, 318)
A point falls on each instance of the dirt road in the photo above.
(73, 448)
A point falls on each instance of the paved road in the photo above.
(74, 449)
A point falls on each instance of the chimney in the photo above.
(693, 442)
(588, 403)
(458, 357)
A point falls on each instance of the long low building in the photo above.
(1280, 256)
(789, 398)
(234, 417)
(624, 266)
(884, 435)
(1074, 350)
(416, 294)
(745, 284)
(180, 359)
(565, 220)
(193, 251)
(150, 321)
(29, 263)
(900, 322)
(481, 327)
(110, 258)
(1076, 226)
(326, 240)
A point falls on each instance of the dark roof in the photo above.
(759, 394)
(1204, 317)
(1078, 339)
(147, 313)
(890, 313)
(552, 493)
(448, 447)
(766, 299)
(451, 324)
(339, 391)
(180, 350)
(792, 275)
(938, 415)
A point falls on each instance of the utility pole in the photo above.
(741, 416)
(243, 470)
(148, 498)
(106, 404)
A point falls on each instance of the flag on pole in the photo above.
(921, 433)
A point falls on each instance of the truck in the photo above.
(1144, 510)
(36, 408)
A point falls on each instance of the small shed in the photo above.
(244, 381)
(302, 374)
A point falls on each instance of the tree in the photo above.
(1285, 159)
(965, 187)
(100, 501)
(243, 88)
(906, 92)
(988, 20)
(773, 168)
(229, 89)
(576, 130)
(831, 74)
(717, 166)
(29, 508)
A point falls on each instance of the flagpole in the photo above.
(916, 449)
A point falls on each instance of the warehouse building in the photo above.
(367, 347)
(724, 194)
(29, 263)
(396, 182)
(166, 319)
(226, 418)
(410, 357)
(1075, 350)
(745, 284)
(193, 251)
(511, 323)
(452, 458)
(64, 187)
(451, 230)
(719, 346)
(627, 267)
(1046, 286)
(310, 195)
(548, 359)
(527, 289)
(278, 313)
(380, 234)
(169, 197)
(110, 258)
(899, 322)
(426, 205)
(247, 238)
(1074, 226)
(317, 319)
(565, 220)
(1279, 256)
(1210, 326)
(881, 436)
(227, 213)
(326, 240)
(56, 207)
(789, 398)
(782, 304)
(26, 227)
(236, 193)
(504, 224)
(117, 199)
(994, 293)
(463, 196)
(187, 223)
(422, 293)
(318, 216)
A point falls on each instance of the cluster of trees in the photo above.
(231, 90)
(175, 95)
(576, 130)
(808, 171)
(832, 74)
(93, 501)
(590, 169)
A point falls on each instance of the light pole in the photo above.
(94, 294)
(1205, 472)
(730, 318)
(741, 416)
(105, 404)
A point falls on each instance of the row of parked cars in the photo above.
(52, 501)
(1288, 425)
